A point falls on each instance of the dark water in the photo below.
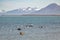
(31, 19)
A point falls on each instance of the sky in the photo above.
(16, 4)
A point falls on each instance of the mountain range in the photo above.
(52, 9)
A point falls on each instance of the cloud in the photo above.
(11, 5)
(14, 4)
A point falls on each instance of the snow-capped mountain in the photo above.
(21, 11)
(52, 9)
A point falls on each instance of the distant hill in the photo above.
(20, 11)
(52, 9)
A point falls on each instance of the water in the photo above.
(31, 19)
(50, 30)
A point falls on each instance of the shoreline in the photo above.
(25, 15)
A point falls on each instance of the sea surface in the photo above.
(50, 27)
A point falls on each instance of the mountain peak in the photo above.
(53, 6)
(50, 9)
